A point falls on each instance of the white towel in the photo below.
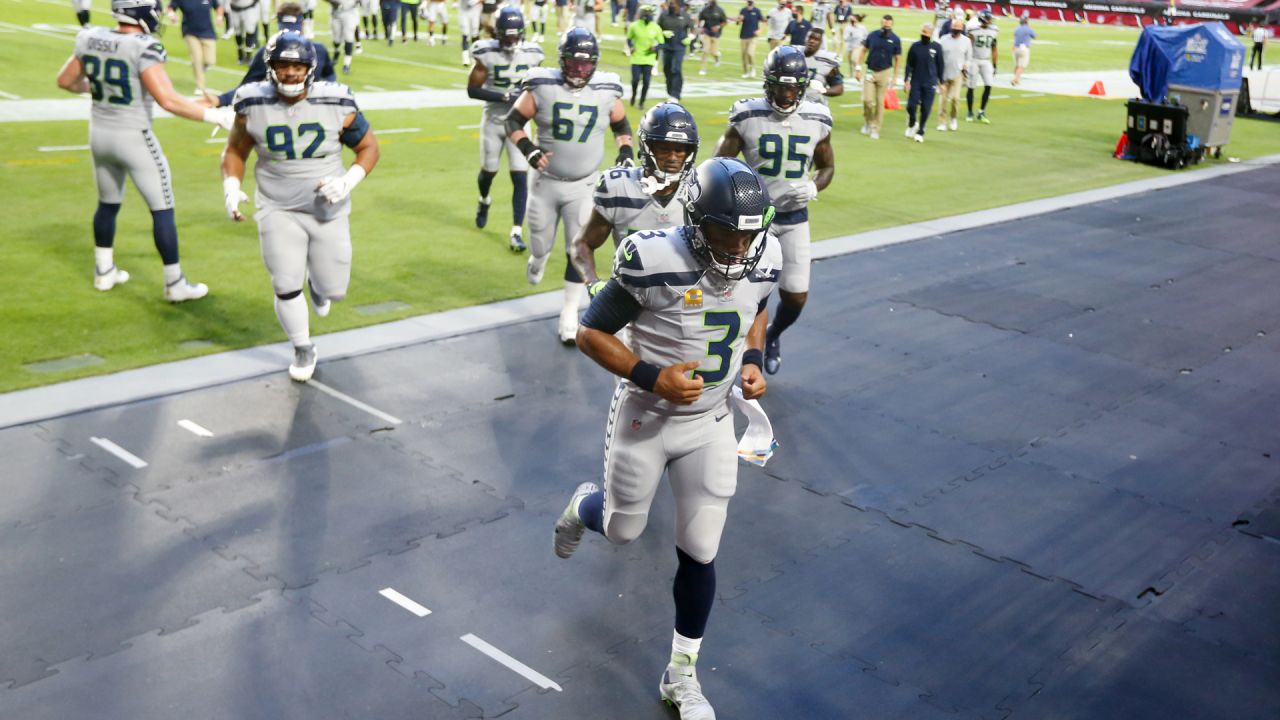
(757, 443)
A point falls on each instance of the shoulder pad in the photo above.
(656, 258)
(541, 76)
(250, 94)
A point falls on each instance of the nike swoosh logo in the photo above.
(721, 417)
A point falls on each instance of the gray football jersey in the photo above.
(571, 123)
(825, 65)
(686, 314)
(780, 147)
(113, 62)
(298, 145)
(984, 39)
(506, 69)
(620, 199)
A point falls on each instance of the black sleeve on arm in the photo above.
(622, 127)
(515, 121)
(475, 92)
(611, 309)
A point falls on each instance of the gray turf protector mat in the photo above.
(269, 660)
(85, 583)
(326, 507)
(1204, 478)
(1136, 339)
(1110, 543)
(45, 478)
(1242, 415)
(1002, 307)
(1147, 670)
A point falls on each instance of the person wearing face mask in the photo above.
(925, 66)
(882, 52)
(957, 54)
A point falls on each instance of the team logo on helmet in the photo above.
(579, 54)
(143, 13)
(290, 47)
(509, 27)
(786, 76)
(726, 192)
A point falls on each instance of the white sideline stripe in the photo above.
(61, 148)
(195, 429)
(404, 602)
(394, 131)
(355, 403)
(119, 452)
(5, 95)
(50, 401)
(511, 663)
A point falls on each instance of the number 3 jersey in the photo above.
(571, 122)
(114, 62)
(298, 145)
(686, 312)
(780, 147)
(506, 69)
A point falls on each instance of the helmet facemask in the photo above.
(657, 174)
(291, 90)
(785, 93)
(577, 69)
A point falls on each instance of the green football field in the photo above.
(417, 249)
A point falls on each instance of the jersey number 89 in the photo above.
(113, 72)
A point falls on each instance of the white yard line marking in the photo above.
(394, 131)
(999, 97)
(195, 429)
(420, 87)
(354, 402)
(404, 602)
(511, 663)
(1027, 95)
(9, 96)
(470, 127)
(375, 88)
(388, 58)
(61, 148)
(119, 452)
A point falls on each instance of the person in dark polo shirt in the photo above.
(882, 53)
(198, 32)
(926, 67)
(749, 18)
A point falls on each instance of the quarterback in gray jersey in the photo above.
(695, 300)
(781, 136)
(568, 106)
(298, 126)
(825, 79)
(500, 67)
(630, 199)
(123, 72)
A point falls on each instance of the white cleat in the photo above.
(866, 130)
(875, 135)
(942, 127)
(569, 527)
(568, 326)
(109, 279)
(304, 363)
(919, 138)
(536, 267)
(911, 131)
(181, 290)
(955, 125)
(680, 687)
(320, 305)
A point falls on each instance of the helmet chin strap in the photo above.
(660, 180)
(291, 90)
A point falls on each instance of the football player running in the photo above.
(695, 298)
(122, 69)
(568, 105)
(344, 19)
(631, 199)
(500, 67)
(298, 127)
(825, 79)
(782, 136)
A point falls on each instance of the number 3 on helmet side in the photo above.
(722, 349)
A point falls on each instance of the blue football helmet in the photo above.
(667, 123)
(986, 18)
(579, 54)
(786, 76)
(289, 21)
(291, 47)
(143, 13)
(509, 27)
(727, 192)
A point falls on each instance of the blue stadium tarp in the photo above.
(1203, 56)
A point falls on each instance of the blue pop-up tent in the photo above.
(1205, 56)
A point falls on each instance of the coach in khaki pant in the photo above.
(882, 52)
(197, 30)
(957, 54)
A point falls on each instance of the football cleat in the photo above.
(304, 363)
(919, 138)
(772, 355)
(181, 291)
(536, 267)
(319, 304)
(680, 687)
(109, 279)
(569, 326)
(911, 131)
(569, 526)
(482, 213)
(982, 118)
(968, 118)
(517, 242)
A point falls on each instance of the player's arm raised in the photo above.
(157, 82)
(753, 383)
(71, 77)
(234, 158)
(582, 252)
(521, 112)
(730, 144)
(621, 127)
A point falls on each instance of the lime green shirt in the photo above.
(643, 35)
